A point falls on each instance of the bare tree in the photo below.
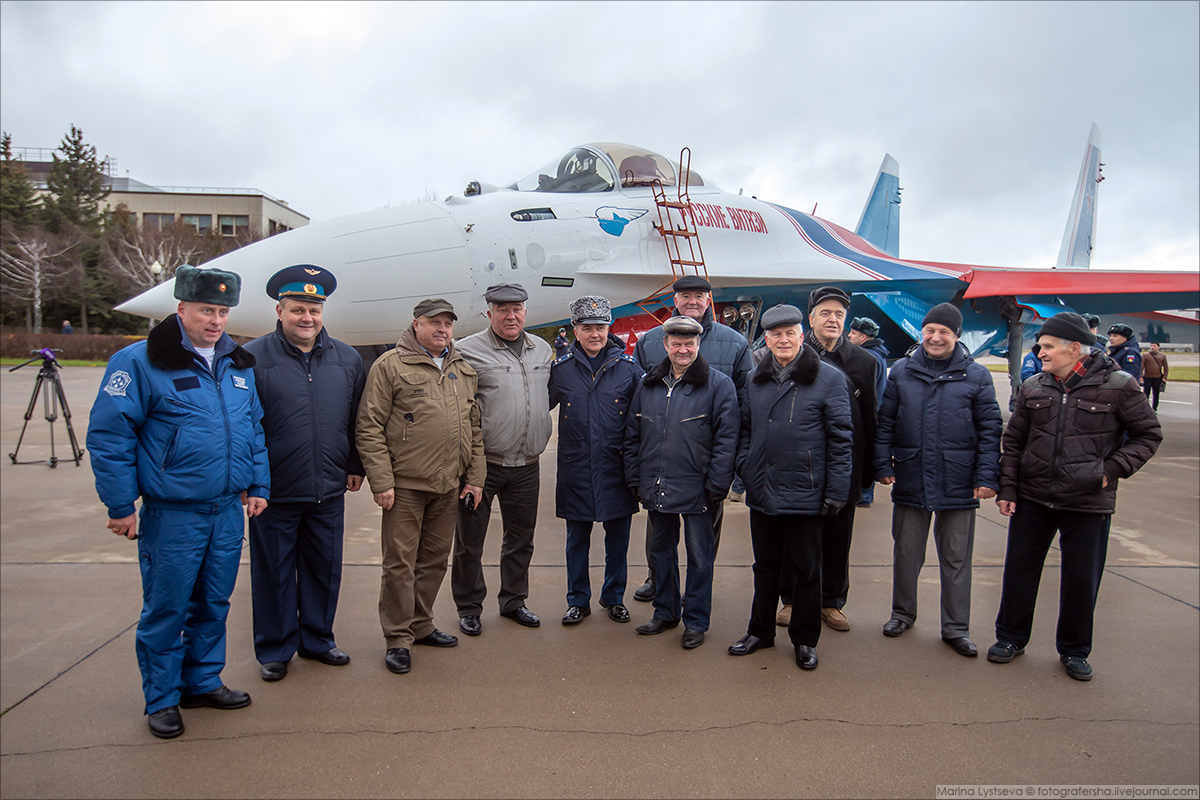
(33, 263)
(132, 252)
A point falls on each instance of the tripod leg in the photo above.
(76, 452)
(37, 386)
(50, 401)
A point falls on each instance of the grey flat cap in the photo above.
(682, 326)
(781, 315)
(591, 309)
(693, 282)
(432, 306)
(506, 293)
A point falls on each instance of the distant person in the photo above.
(1058, 474)
(1093, 323)
(938, 446)
(1030, 365)
(864, 332)
(177, 422)
(725, 350)
(562, 345)
(1154, 373)
(67, 328)
(592, 387)
(794, 452)
(680, 443)
(514, 373)
(420, 443)
(310, 385)
(1123, 348)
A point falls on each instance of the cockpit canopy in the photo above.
(599, 168)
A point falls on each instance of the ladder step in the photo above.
(678, 233)
(672, 204)
(683, 263)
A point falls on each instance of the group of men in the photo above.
(191, 422)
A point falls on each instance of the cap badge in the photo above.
(313, 271)
(309, 288)
(221, 287)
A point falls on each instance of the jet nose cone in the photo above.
(385, 262)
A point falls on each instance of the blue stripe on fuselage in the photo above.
(826, 241)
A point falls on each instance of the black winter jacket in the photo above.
(680, 443)
(939, 432)
(308, 415)
(859, 367)
(592, 411)
(725, 350)
(796, 437)
(1059, 446)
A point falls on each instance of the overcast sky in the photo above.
(345, 107)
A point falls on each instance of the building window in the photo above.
(201, 222)
(276, 227)
(233, 225)
(157, 222)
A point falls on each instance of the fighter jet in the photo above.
(625, 222)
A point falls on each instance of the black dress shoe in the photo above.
(438, 639)
(166, 723)
(218, 698)
(616, 612)
(398, 660)
(656, 626)
(962, 645)
(645, 592)
(806, 657)
(333, 657)
(575, 615)
(748, 644)
(895, 627)
(691, 639)
(522, 616)
(274, 670)
(470, 625)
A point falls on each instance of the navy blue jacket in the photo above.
(592, 410)
(1128, 357)
(681, 442)
(860, 370)
(725, 350)
(796, 436)
(877, 348)
(939, 433)
(1030, 365)
(168, 428)
(309, 409)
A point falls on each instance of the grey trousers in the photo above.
(954, 536)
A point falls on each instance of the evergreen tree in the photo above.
(78, 183)
(18, 198)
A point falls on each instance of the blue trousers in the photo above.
(189, 562)
(295, 574)
(695, 607)
(616, 551)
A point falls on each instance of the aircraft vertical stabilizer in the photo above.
(880, 220)
(1080, 235)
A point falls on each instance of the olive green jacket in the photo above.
(418, 426)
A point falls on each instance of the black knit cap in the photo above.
(1070, 326)
(945, 314)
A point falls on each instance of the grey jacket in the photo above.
(513, 396)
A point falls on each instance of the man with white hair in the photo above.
(1076, 430)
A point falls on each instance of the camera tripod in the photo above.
(51, 400)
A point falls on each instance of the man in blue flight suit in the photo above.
(177, 422)
(309, 385)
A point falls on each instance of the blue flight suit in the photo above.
(188, 440)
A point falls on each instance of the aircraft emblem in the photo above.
(613, 220)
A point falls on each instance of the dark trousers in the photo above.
(616, 551)
(295, 575)
(1153, 385)
(1083, 540)
(717, 520)
(518, 491)
(786, 546)
(695, 607)
(835, 560)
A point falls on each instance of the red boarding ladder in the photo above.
(676, 230)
